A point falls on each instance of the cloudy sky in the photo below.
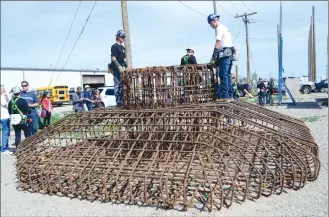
(33, 33)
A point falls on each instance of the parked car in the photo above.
(322, 86)
(107, 95)
(276, 88)
(306, 87)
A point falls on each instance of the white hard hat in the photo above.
(189, 48)
(15, 90)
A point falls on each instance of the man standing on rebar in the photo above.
(118, 64)
(189, 58)
(223, 52)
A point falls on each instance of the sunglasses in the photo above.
(24, 85)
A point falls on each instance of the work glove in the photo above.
(121, 69)
(215, 53)
(212, 61)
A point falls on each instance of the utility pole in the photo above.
(309, 53)
(280, 46)
(126, 30)
(215, 12)
(237, 73)
(314, 48)
(246, 21)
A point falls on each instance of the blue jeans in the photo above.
(261, 98)
(267, 97)
(5, 125)
(89, 106)
(27, 128)
(39, 120)
(225, 91)
(117, 87)
(34, 117)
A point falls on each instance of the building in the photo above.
(41, 77)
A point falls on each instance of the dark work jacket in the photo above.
(190, 60)
(21, 104)
(261, 85)
(119, 52)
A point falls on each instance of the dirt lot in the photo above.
(312, 200)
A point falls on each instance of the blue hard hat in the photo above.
(212, 17)
(121, 34)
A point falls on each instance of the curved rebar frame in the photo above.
(193, 156)
(170, 146)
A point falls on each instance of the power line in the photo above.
(67, 36)
(235, 7)
(249, 10)
(246, 21)
(83, 28)
(224, 9)
(236, 37)
(192, 9)
(246, 6)
(293, 21)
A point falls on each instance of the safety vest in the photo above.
(16, 118)
(14, 106)
(185, 59)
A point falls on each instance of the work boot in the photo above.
(231, 99)
(223, 100)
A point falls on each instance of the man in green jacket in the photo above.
(189, 58)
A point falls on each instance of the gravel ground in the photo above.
(312, 200)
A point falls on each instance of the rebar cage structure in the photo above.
(170, 86)
(205, 156)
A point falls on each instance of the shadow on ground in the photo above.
(304, 105)
(321, 100)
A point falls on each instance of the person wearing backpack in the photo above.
(19, 111)
(46, 109)
(189, 58)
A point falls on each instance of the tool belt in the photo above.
(231, 52)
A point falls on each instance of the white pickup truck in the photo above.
(306, 87)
